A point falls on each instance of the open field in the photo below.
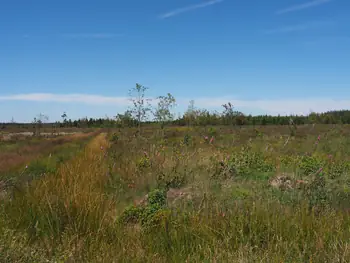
(185, 194)
(47, 129)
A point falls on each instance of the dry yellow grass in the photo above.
(223, 211)
(73, 198)
(13, 159)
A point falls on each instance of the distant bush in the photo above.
(173, 179)
(240, 193)
(310, 165)
(317, 192)
(247, 161)
(114, 137)
(40, 167)
(187, 139)
(336, 169)
(212, 132)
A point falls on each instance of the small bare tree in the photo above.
(64, 121)
(64, 118)
(228, 113)
(163, 112)
(191, 114)
(141, 105)
(125, 120)
(38, 123)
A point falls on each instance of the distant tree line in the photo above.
(203, 118)
(141, 112)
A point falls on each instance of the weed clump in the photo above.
(156, 202)
(172, 180)
(247, 161)
(114, 137)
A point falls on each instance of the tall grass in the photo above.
(69, 200)
(222, 208)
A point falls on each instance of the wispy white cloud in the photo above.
(280, 106)
(302, 6)
(68, 98)
(300, 27)
(91, 35)
(189, 8)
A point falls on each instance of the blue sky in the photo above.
(82, 56)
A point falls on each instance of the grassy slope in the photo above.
(220, 207)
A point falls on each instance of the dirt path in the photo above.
(98, 144)
(81, 180)
(76, 176)
(13, 159)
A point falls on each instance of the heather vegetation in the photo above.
(197, 192)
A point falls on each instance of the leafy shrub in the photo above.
(222, 170)
(157, 197)
(132, 214)
(149, 212)
(317, 192)
(145, 215)
(240, 193)
(143, 162)
(336, 169)
(246, 161)
(38, 168)
(287, 160)
(114, 137)
(258, 133)
(212, 132)
(187, 139)
(174, 179)
(154, 218)
(310, 165)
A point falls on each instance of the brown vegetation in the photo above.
(20, 156)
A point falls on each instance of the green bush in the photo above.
(40, 167)
(246, 161)
(157, 197)
(174, 179)
(310, 165)
(187, 139)
(212, 132)
(132, 214)
(336, 169)
(240, 193)
(149, 212)
(114, 137)
(222, 170)
(317, 192)
(144, 215)
(143, 162)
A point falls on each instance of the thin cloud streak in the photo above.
(189, 8)
(300, 27)
(302, 6)
(68, 98)
(281, 106)
(92, 36)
